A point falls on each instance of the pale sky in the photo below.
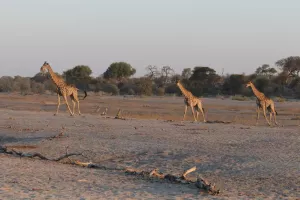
(237, 35)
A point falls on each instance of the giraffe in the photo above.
(63, 89)
(192, 101)
(263, 102)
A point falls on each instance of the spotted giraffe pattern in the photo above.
(63, 89)
(192, 101)
(263, 102)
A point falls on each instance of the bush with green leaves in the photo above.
(110, 88)
(128, 88)
(172, 89)
(118, 70)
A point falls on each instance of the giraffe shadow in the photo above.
(218, 122)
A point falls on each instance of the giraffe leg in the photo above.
(264, 109)
(193, 113)
(58, 104)
(78, 107)
(274, 113)
(204, 120)
(185, 109)
(201, 109)
(77, 101)
(67, 103)
(74, 104)
(257, 115)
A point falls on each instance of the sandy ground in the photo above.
(246, 161)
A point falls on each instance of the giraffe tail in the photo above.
(85, 95)
(276, 112)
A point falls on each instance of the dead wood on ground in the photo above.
(199, 183)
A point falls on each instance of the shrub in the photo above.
(239, 98)
(110, 88)
(49, 85)
(21, 84)
(297, 91)
(279, 99)
(160, 91)
(127, 88)
(144, 86)
(131, 91)
(172, 89)
(6, 84)
(37, 87)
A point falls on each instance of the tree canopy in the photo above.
(290, 65)
(266, 70)
(119, 70)
(78, 74)
(186, 73)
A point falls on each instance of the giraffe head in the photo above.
(178, 82)
(249, 84)
(44, 68)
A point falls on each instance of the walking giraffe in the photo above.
(192, 101)
(63, 89)
(263, 103)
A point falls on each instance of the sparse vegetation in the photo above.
(200, 80)
(280, 99)
(240, 98)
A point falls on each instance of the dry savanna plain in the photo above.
(245, 161)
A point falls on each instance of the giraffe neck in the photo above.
(183, 90)
(57, 81)
(257, 93)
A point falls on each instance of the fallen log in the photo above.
(187, 172)
(199, 183)
(36, 155)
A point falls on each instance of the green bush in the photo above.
(110, 88)
(131, 91)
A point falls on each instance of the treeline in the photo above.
(281, 80)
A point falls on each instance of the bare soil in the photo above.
(244, 160)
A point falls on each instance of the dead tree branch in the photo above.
(187, 172)
(36, 155)
(199, 183)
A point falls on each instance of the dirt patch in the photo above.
(250, 161)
